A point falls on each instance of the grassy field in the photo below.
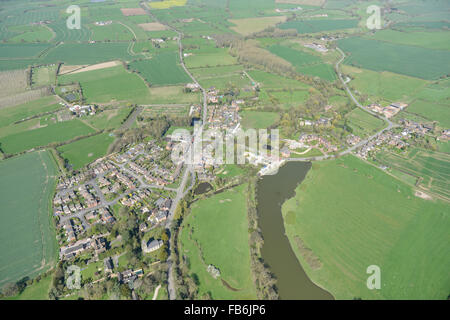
(58, 132)
(106, 85)
(430, 170)
(362, 123)
(384, 86)
(37, 291)
(408, 60)
(109, 119)
(217, 58)
(314, 26)
(258, 119)
(162, 69)
(439, 40)
(216, 232)
(338, 215)
(172, 94)
(27, 245)
(431, 111)
(26, 33)
(9, 115)
(82, 152)
(272, 81)
(44, 75)
(249, 26)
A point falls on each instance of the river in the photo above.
(273, 191)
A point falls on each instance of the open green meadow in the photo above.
(384, 86)
(216, 232)
(201, 60)
(249, 26)
(53, 133)
(106, 85)
(27, 245)
(84, 151)
(398, 58)
(109, 119)
(37, 291)
(431, 111)
(338, 219)
(43, 75)
(258, 119)
(9, 115)
(315, 26)
(362, 123)
(162, 69)
(172, 95)
(273, 81)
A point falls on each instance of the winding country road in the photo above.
(362, 142)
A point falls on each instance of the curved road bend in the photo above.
(362, 142)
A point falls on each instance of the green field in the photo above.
(27, 245)
(362, 123)
(44, 75)
(314, 26)
(216, 232)
(162, 69)
(9, 115)
(430, 170)
(201, 60)
(338, 215)
(431, 111)
(37, 291)
(249, 26)
(258, 119)
(85, 151)
(172, 95)
(408, 60)
(106, 85)
(58, 132)
(109, 119)
(30, 34)
(384, 86)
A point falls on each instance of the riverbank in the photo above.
(272, 192)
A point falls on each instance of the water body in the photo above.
(273, 191)
(202, 188)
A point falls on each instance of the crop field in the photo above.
(337, 217)
(304, 62)
(384, 86)
(84, 151)
(162, 69)
(258, 119)
(201, 60)
(109, 119)
(28, 33)
(216, 232)
(172, 95)
(284, 98)
(9, 115)
(252, 25)
(22, 50)
(88, 53)
(217, 71)
(431, 40)
(431, 170)
(408, 60)
(173, 110)
(315, 26)
(106, 85)
(43, 75)
(227, 81)
(68, 35)
(111, 32)
(27, 245)
(167, 4)
(54, 133)
(12, 82)
(272, 81)
(431, 111)
(363, 124)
